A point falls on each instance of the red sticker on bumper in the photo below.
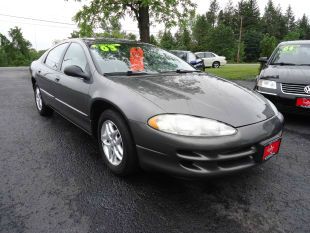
(272, 149)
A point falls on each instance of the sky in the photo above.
(43, 34)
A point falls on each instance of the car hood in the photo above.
(287, 74)
(202, 95)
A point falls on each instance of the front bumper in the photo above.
(204, 157)
(286, 103)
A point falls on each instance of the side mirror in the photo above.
(263, 59)
(76, 71)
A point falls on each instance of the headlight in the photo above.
(190, 126)
(267, 84)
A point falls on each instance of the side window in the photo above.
(75, 56)
(200, 55)
(53, 58)
(207, 55)
(212, 54)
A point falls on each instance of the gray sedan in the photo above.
(148, 108)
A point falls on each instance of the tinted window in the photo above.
(123, 57)
(53, 57)
(75, 56)
(292, 54)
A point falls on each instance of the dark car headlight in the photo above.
(267, 84)
(186, 125)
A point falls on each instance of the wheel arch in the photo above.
(98, 106)
(33, 81)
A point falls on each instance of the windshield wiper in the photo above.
(128, 73)
(283, 64)
(304, 65)
(179, 71)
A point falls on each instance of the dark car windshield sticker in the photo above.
(136, 59)
(106, 47)
(289, 48)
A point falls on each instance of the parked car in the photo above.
(146, 107)
(211, 59)
(285, 77)
(190, 58)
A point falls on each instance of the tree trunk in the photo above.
(144, 23)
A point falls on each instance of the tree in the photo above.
(274, 22)
(200, 29)
(249, 11)
(294, 35)
(183, 39)
(267, 45)
(167, 41)
(16, 50)
(229, 17)
(222, 41)
(212, 13)
(290, 19)
(252, 40)
(304, 28)
(103, 12)
(153, 40)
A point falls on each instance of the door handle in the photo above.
(57, 79)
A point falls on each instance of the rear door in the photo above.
(47, 73)
(73, 93)
(208, 60)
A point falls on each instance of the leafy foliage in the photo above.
(104, 13)
(16, 51)
(267, 45)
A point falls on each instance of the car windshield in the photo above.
(294, 54)
(135, 58)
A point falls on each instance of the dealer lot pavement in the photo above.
(53, 180)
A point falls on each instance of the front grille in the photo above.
(294, 89)
(217, 161)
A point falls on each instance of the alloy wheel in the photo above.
(38, 97)
(112, 143)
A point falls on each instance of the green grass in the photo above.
(236, 71)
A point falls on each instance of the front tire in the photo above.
(116, 144)
(42, 108)
(216, 64)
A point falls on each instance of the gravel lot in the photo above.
(53, 180)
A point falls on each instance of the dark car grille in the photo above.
(295, 89)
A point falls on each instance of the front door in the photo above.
(73, 93)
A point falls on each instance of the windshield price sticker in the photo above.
(106, 47)
(289, 48)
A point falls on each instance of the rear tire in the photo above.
(216, 64)
(42, 108)
(116, 144)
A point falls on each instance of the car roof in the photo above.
(90, 41)
(183, 51)
(205, 52)
(295, 42)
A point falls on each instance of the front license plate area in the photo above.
(303, 102)
(271, 149)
